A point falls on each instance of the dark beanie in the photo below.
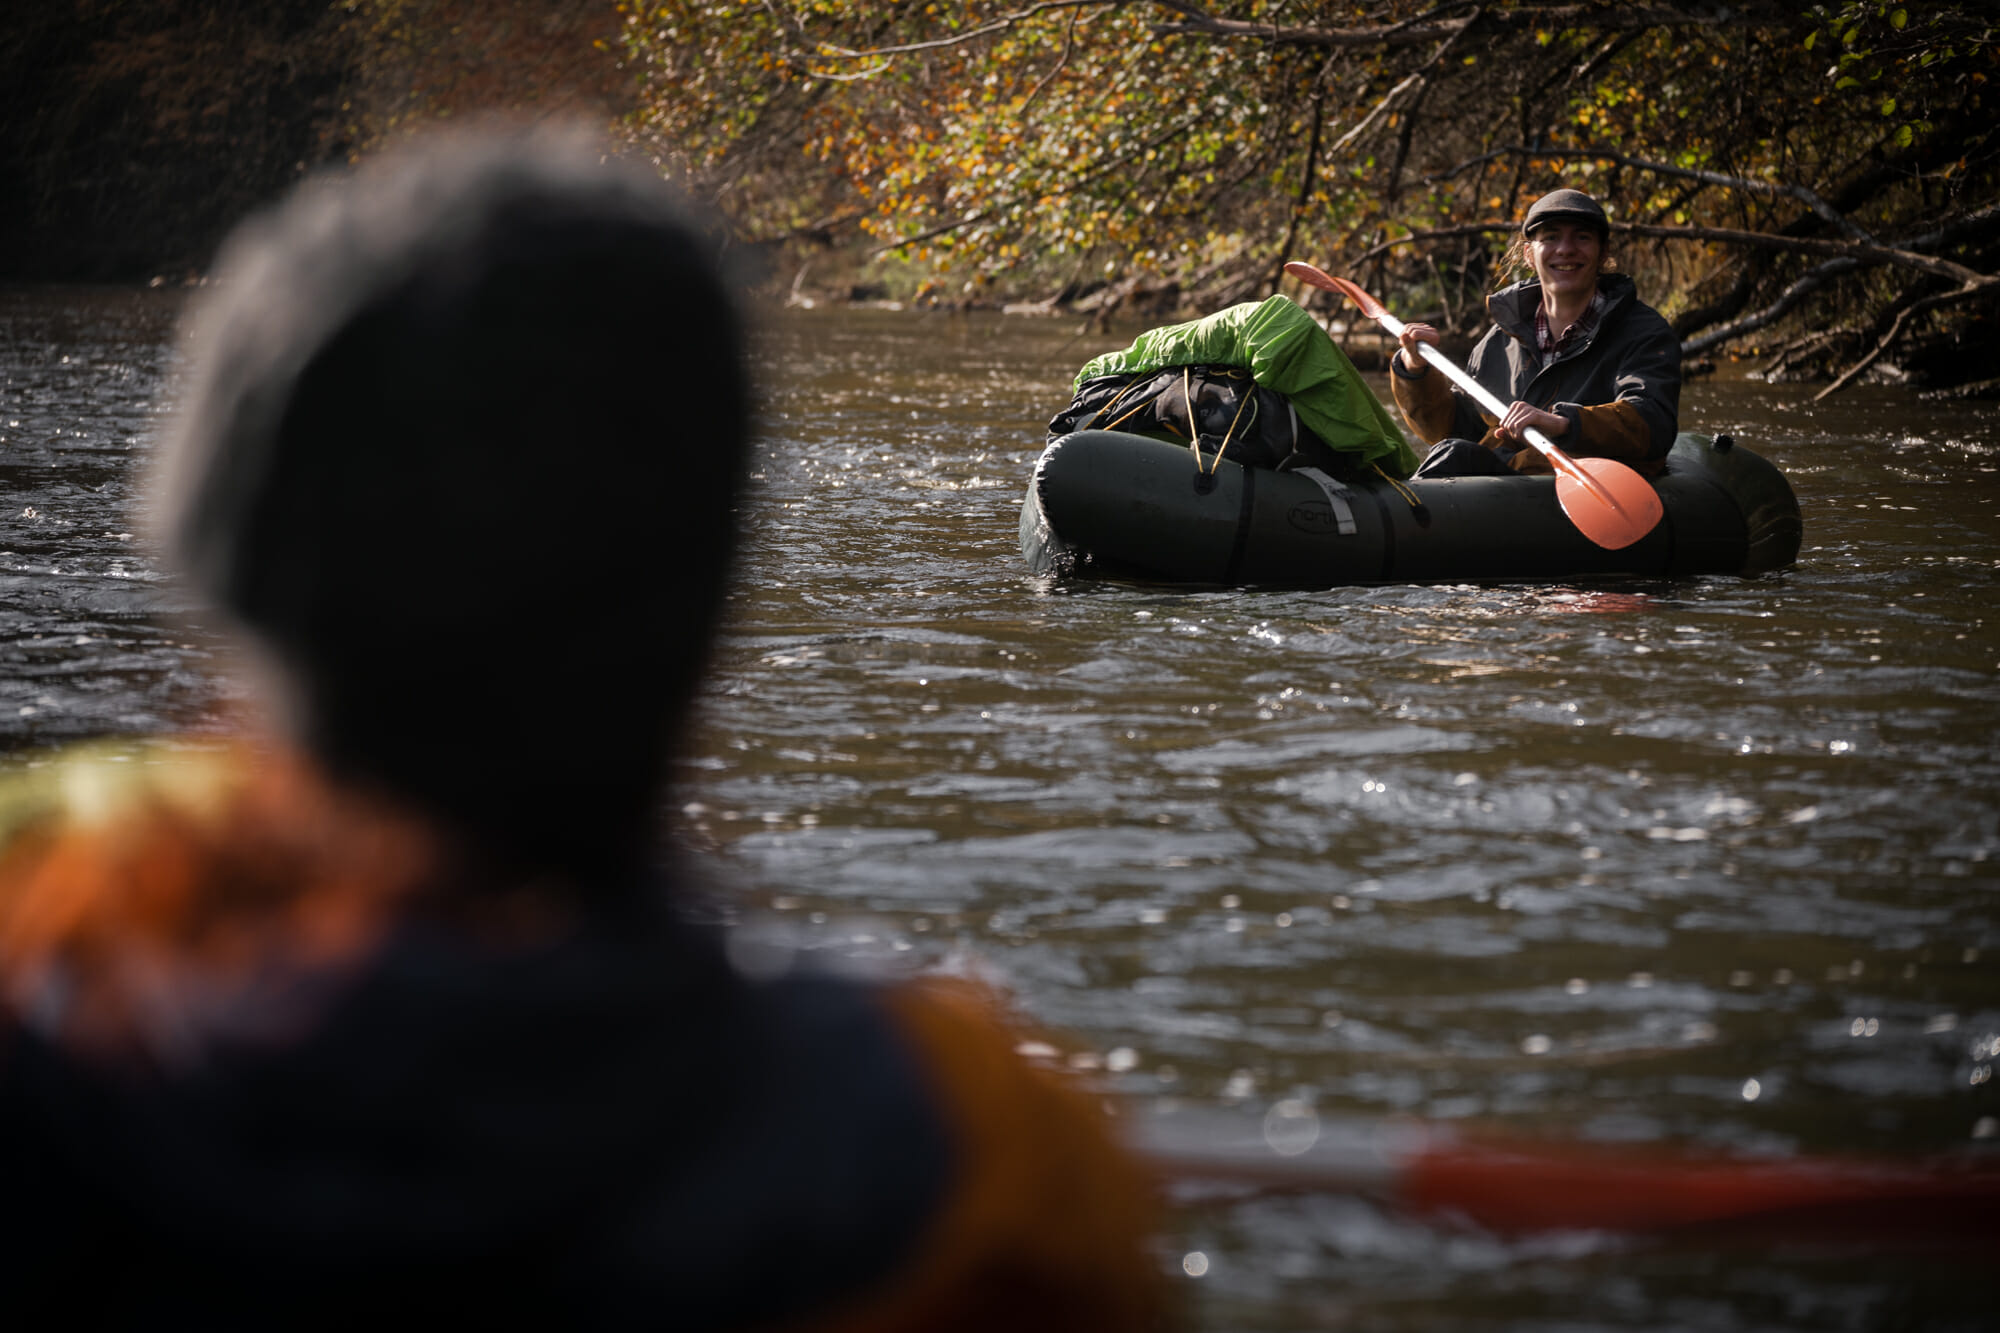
(460, 447)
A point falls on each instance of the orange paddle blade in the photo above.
(1314, 276)
(1517, 1188)
(1609, 502)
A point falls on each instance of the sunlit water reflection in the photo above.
(1709, 860)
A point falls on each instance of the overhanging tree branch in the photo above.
(1808, 245)
(1307, 171)
(1379, 110)
(828, 51)
(1599, 18)
(1787, 301)
(1958, 228)
(1069, 45)
(1799, 192)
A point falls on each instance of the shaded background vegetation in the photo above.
(1818, 186)
(133, 135)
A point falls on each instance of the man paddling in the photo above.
(1572, 350)
(388, 1010)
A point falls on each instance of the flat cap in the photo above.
(1566, 206)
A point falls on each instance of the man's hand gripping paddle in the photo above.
(1609, 502)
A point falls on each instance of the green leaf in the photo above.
(1905, 136)
(1812, 37)
(1848, 81)
(1899, 18)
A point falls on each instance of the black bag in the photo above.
(1217, 409)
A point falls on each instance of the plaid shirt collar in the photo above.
(1551, 346)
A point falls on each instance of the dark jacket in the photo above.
(263, 1064)
(1620, 387)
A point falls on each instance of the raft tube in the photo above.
(1109, 505)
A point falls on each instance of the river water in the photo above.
(1708, 863)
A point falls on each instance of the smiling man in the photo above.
(1573, 350)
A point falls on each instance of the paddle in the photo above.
(1609, 502)
(1517, 1186)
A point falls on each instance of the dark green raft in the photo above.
(1108, 505)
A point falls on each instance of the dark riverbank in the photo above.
(133, 136)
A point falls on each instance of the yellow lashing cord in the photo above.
(1113, 403)
(1248, 400)
(1230, 434)
(1129, 415)
(1194, 427)
(1417, 506)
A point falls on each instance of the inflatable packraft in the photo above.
(1110, 505)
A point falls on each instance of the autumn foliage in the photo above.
(1819, 185)
(1770, 168)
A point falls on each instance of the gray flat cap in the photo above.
(1566, 206)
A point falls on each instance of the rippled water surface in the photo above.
(1710, 862)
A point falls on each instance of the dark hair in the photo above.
(461, 449)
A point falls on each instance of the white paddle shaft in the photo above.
(1480, 393)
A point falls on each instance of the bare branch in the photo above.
(1858, 251)
(1983, 287)
(1308, 167)
(1431, 13)
(1416, 101)
(1787, 300)
(1802, 347)
(1958, 228)
(1816, 278)
(1598, 17)
(1461, 168)
(1602, 56)
(827, 51)
(1803, 194)
(1431, 234)
(1380, 109)
(969, 220)
(855, 77)
(1809, 245)
(1069, 45)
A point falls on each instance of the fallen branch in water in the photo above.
(1985, 287)
(1787, 301)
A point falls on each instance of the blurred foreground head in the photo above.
(460, 449)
